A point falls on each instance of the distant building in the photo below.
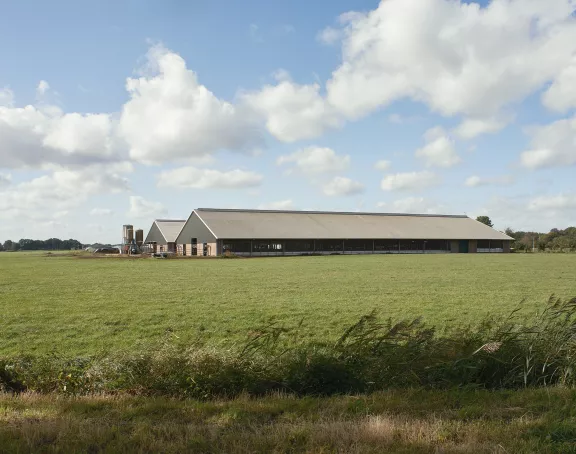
(213, 232)
(162, 236)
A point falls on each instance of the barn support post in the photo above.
(251, 247)
(398, 246)
(373, 246)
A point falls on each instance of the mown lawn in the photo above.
(76, 306)
(410, 421)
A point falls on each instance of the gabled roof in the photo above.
(274, 224)
(170, 228)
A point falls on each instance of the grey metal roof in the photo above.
(272, 224)
(170, 228)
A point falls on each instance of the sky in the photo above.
(117, 113)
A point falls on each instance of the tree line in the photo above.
(555, 240)
(51, 244)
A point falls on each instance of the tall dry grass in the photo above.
(458, 421)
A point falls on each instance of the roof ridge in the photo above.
(357, 213)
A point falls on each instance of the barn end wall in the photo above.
(195, 228)
(155, 236)
(186, 249)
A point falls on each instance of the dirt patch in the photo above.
(110, 256)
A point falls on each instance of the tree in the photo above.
(485, 220)
(560, 243)
(529, 240)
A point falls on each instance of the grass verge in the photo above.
(406, 421)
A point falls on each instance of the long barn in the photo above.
(212, 232)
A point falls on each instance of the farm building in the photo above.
(212, 232)
(162, 235)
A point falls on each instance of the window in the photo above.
(437, 245)
(358, 245)
(236, 246)
(329, 245)
(390, 246)
(490, 246)
(299, 245)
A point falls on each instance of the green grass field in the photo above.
(72, 306)
(76, 306)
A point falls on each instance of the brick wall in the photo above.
(188, 247)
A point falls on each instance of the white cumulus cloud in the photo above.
(316, 160)
(5, 179)
(439, 150)
(291, 111)
(329, 35)
(382, 165)
(171, 116)
(141, 208)
(409, 181)
(476, 181)
(554, 203)
(101, 212)
(471, 128)
(61, 191)
(553, 145)
(279, 205)
(416, 205)
(540, 213)
(6, 97)
(342, 186)
(37, 136)
(42, 88)
(455, 57)
(194, 178)
(561, 96)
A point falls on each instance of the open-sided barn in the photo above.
(213, 232)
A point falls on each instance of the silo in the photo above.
(128, 234)
(139, 237)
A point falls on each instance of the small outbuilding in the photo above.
(162, 236)
(211, 232)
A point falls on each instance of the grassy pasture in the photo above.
(81, 306)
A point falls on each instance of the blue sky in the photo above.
(120, 112)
